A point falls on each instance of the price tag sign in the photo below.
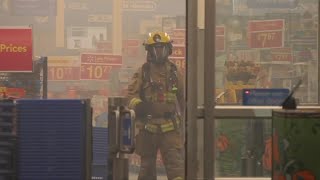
(266, 33)
(179, 37)
(98, 66)
(60, 73)
(178, 51)
(281, 55)
(180, 63)
(95, 71)
(220, 38)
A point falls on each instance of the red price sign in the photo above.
(281, 55)
(131, 47)
(58, 73)
(178, 41)
(132, 51)
(266, 33)
(179, 37)
(95, 71)
(220, 45)
(266, 39)
(179, 33)
(104, 46)
(16, 50)
(220, 38)
(180, 63)
(178, 51)
(131, 43)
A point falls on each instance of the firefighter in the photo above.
(156, 94)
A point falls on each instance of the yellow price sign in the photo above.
(3, 90)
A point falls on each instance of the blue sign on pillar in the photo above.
(264, 97)
(126, 132)
(127, 127)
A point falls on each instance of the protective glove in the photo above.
(143, 109)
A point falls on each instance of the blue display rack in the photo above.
(100, 153)
(54, 139)
(7, 140)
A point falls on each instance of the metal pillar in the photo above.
(45, 78)
(121, 168)
(318, 54)
(117, 27)
(113, 140)
(192, 96)
(209, 89)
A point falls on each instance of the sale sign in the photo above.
(98, 66)
(266, 33)
(220, 38)
(16, 50)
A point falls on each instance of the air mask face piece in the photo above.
(158, 52)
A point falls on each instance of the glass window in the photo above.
(243, 147)
(266, 44)
(94, 49)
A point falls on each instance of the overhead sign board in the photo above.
(139, 5)
(34, 7)
(99, 18)
(272, 3)
(264, 97)
(77, 6)
(16, 50)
